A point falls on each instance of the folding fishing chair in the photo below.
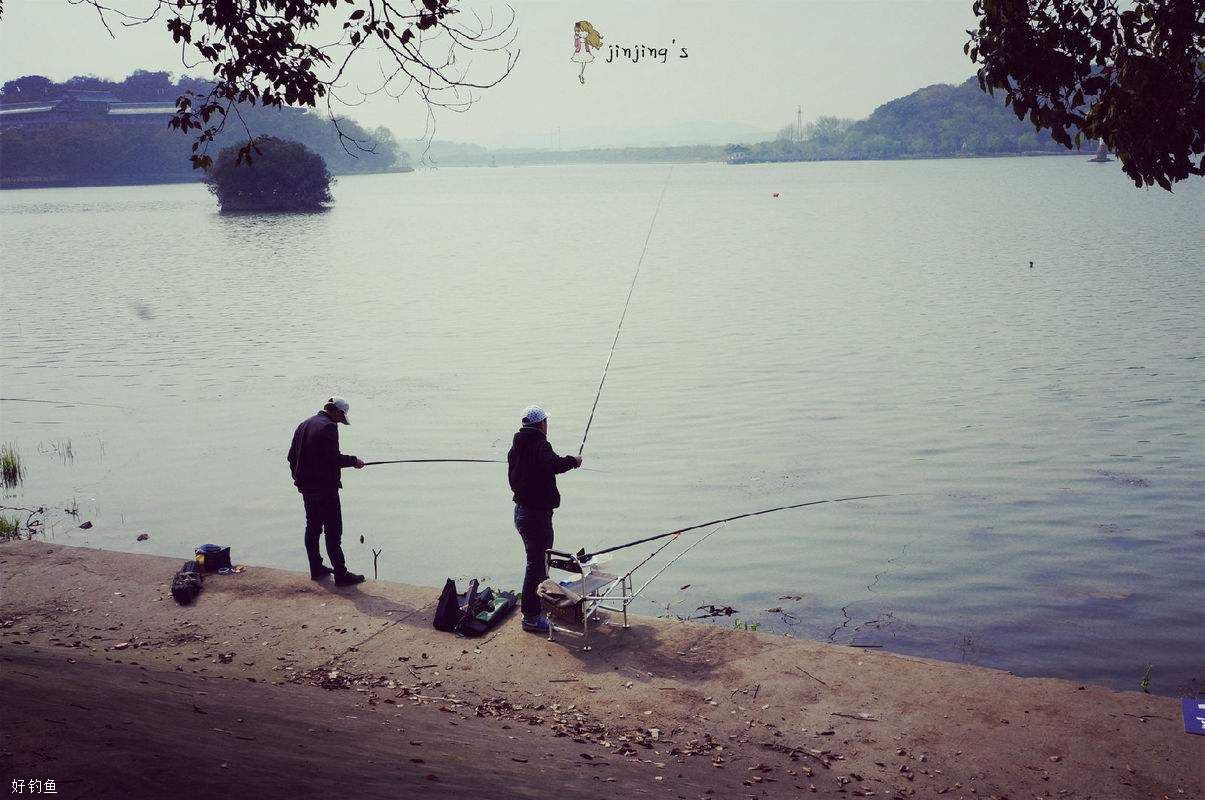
(595, 589)
(598, 591)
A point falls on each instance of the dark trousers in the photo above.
(535, 528)
(324, 514)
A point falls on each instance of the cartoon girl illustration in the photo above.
(585, 39)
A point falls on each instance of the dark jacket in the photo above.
(314, 456)
(532, 468)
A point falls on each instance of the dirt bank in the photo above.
(275, 686)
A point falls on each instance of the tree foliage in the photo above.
(272, 175)
(1087, 68)
(260, 53)
(140, 86)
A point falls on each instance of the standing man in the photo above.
(532, 467)
(315, 461)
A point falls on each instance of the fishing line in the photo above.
(683, 552)
(639, 264)
(588, 556)
(59, 402)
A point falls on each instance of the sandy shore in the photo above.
(272, 686)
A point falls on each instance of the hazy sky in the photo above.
(749, 64)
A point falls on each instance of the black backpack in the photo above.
(447, 612)
(474, 613)
(186, 584)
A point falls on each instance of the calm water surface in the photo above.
(877, 328)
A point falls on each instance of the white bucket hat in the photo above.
(534, 415)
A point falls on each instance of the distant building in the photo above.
(77, 105)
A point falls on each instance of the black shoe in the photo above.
(320, 573)
(348, 579)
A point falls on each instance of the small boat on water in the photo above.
(1102, 154)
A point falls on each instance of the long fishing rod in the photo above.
(451, 461)
(436, 461)
(639, 264)
(680, 531)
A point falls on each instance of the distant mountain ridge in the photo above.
(941, 120)
(938, 121)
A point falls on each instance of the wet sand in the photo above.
(272, 685)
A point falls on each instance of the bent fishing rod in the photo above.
(584, 556)
(623, 316)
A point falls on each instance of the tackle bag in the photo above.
(187, 582)
(447, 612)
(474, 613)
(560, 602)
(213, 557)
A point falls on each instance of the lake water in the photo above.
(875, 329)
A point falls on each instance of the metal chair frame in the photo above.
(599, 591)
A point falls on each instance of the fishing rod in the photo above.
(436, 461)
(639, 264)
(587, 556)
(452, 461)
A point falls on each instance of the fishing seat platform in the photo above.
(573, 606)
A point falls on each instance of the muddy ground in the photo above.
(273, 686)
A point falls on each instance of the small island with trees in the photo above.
(274, 175)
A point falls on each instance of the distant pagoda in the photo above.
(1102, 154)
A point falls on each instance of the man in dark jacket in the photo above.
(315, 460)
(532, 467)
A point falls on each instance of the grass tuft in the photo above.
(12, 471)
(10, 527)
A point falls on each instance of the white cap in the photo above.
(533, 415)
(341, 405)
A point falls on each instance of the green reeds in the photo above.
(1145, 684)
(10, 527)
(12, 471)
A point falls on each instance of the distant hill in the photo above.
(937, 121)
(457, 154)
(89, 131)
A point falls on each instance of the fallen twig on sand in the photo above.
(235, 735)
(451, 700)
(825, 757)
(810, 675)
(1145, 717)
(858, 717)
